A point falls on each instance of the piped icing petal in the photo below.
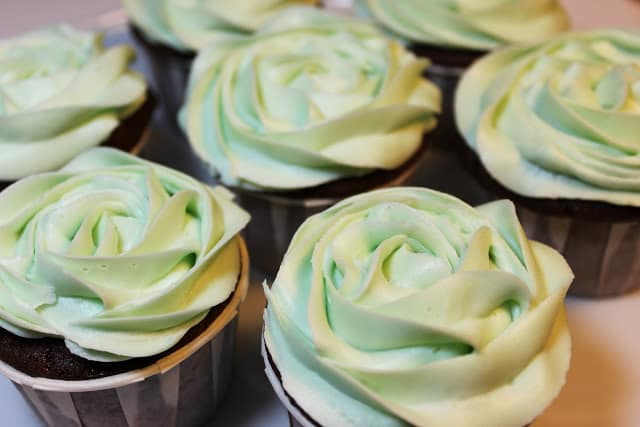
(118, 256)
(469, 24)
(310, 98)
(191, 25)
(559, 119)
(408, 307)
(61, 92)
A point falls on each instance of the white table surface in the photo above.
(603, 386)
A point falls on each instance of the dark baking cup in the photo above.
(181, 387)
(600, 241)
(169, 71)
(298, 417)
(276, 216)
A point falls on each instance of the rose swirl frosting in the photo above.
(407, 306)
(469, 24)
(118, 256)
(559, 119)
(61, 92)
(310, 98)
(191, 25)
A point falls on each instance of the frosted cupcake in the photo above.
(408, 307)
(311, 109)
(120, 282)
(63, 92)
(555, 127)
(172, 30)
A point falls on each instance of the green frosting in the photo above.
(408, 307)
(310, 98)
(560, 119)
(61, 92)
(191, 25)
(118, 256)
(469, 24)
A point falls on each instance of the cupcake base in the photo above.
(180, 388)
(600, 241)
(276, 216)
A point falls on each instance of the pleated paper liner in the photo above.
(181, 389)
(275, 217)
(600, 241)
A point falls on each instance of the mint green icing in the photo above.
(559, 119)
(61, 92)
(191, 25)
(408, 307)
(470, 24)
(310, 98)
(118, 256)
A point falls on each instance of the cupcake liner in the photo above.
(604, 255)
(169, 70)
(181, 389)
(275, 218)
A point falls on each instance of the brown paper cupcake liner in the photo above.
(181, 389)
(604, 255)
(275, 217)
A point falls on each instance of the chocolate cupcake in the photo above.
(554, 126)
(311, 99)
(120, 282)
(455, 34)
(408, 307)
(171, 31)
(63, 92)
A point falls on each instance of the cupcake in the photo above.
(170, 31)
(409, 307)
(311, 109)
(453, 34)
(120, 282)
(62, 92)
(555, 127)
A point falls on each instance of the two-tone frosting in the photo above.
(559, 119)
(469, 24)
(118, 256)
(310, 98)
(191, 25)
(408, 307)
(61, 92)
